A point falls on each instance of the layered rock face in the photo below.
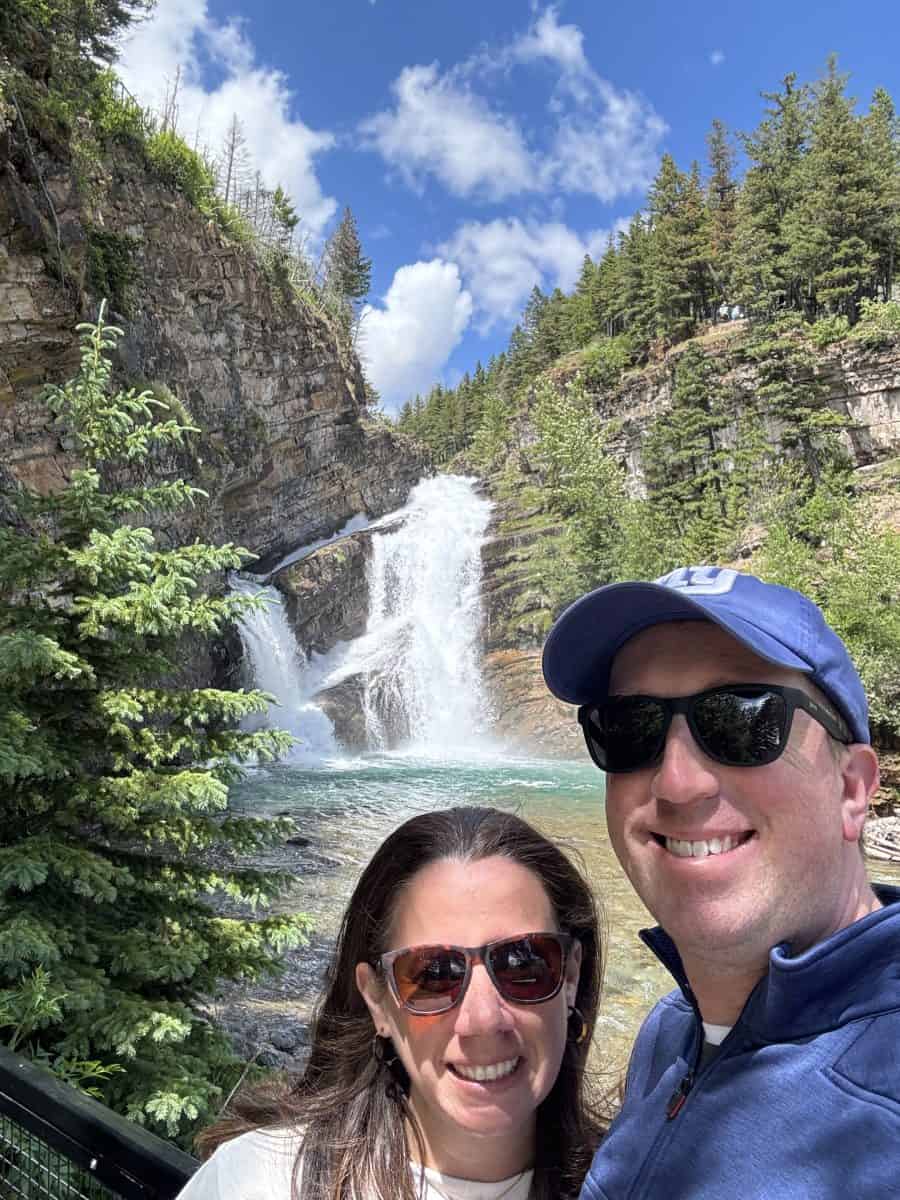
(860, 384)
(863, 385)
(285, 454)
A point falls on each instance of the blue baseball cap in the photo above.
(775, 622)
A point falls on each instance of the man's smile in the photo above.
(703, 847)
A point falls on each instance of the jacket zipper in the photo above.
(678, 1097)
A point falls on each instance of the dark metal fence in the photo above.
(58, 1144)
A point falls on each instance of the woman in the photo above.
(448, 1053)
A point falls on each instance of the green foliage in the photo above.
(787, 388)
(182, 168)
(835, 549)
(827, 330)
(114, 821)
(348, 273)
(72, 34)
(111, 267)
(604, 361)
(582, 483)
(879, 324)
(116, 116)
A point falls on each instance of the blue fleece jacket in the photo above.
(802, 1102)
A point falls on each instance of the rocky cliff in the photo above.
(859, 384)
(862, 385)
(286, 453)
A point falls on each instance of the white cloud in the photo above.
(611, 152)
(502, 260)
(182, 33)
(594, 137)
(407, 340)
(717, 58)
(547, 39)
(439, 125)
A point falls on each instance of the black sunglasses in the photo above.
(740, 725)
(527, 969)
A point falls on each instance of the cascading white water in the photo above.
(279, 666)
(418, 662)
(419, 656)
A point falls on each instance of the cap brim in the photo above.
(581, 645)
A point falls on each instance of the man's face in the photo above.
(793, 871)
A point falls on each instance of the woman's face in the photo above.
(470, 904)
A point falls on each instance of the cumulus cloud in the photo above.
(563, 44)
(502, 260)
(439, 126)
(594, 138)
(717, 58)
(611, 153)
(406, 340)
(183, 34)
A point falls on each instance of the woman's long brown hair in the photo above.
(351, 1109)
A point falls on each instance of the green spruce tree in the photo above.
(115, 779)
(881, 130)
(829, 230)
(721, 203)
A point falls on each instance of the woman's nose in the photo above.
(482, 1009)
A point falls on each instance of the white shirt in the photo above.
(259, 1166)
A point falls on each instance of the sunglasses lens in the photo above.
(742, 730)
(429, 978)
(625, 733)
(527, 969)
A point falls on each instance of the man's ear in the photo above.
(859, 772)
(573, 973)
(372, 991)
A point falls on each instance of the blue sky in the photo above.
(483, 145)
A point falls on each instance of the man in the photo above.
(734, 730)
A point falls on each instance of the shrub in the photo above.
(879, 323)
(604, 361)
(182, 168)
(829, 329)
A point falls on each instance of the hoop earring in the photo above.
(582, 1032)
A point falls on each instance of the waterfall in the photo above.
(420, 654)
(280, 667)
(417, 666)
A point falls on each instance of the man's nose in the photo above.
(482, 1009)
(684, 773)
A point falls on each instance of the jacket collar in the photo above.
(854, 973)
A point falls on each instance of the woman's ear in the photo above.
(373, 992)
(573, 972)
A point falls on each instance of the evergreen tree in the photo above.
(829, 229)
(347, 271)
(284, 218)
(685, 467)
(583, 483)
(786, 387)
(609, 312)
(115, 779)
(636, 300)
(762, 282)
(721, 202)
(78, 34)
(679, 251)
(582, 320)
(881, 129)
